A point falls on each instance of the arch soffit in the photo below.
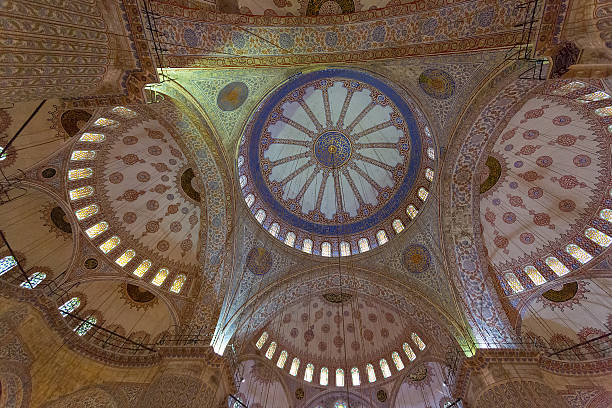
(281, 379)
(402, 379)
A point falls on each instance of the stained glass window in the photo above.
(610, 128)
(92, 137)
(409, 352)
(178, 283)
(411, 211)
(260, 216)
(243, 181)
(417, 340)
(371, 373)
(81, 192)
(290, 239)
(535, 276)
(295, 366)
(274, 229)
(606, 111)
(594, 97)
(6, 264)
(97, 229)
(325, 249)
(355, 376)
(77, 174)
(398, 226)
(282, 359)
(345, 248)
(250, 199)
(105, 122)
(4, 154)
(125, 112)
(556, 265)
(606, 214)
(307, 246)
(33, 280)
(427, 131)
(125, 257)
(363, 244)
(399, 364)
(308, 372)
(384, 367)
(240, 160)
(514, 283)
(598, 237)
(381, 237)
(571, 87)
(429, 174)
(339, 377)
(110, 244)
(340, 404)
(262, 340)
(142, 268)
(431, 153)
(85, 326)
(161, 276)
(69, 306)
(83, 155)
(324, 378)
(86, 212)
(422, 193)
(271, 350)
(578, 253)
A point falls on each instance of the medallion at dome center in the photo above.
(332, 149)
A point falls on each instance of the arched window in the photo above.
(399, 364)
(92, 137)
(431, 153)
(339, 377)
(604, 112)
(240, 161)
(398, 225)
(384, 367)
(78, 155)
(535, 276)
(274, 229)
(409, 352)
(411, 211)
(142, 268)
(125, 112)
(260, 216)
(78, 174)
(105, 122)
(325, 249)
(126, 257)
(87, 211)
(381, 237)
(606, 214)
(178, 283)
(295, 366)
(308, 373)
(110, 244)
(345, 248)
(243, 181)
(598, 237)
(271, 350)
(423, 193)
(69, 306)
(578, 253)
(417, 340)
(429, 174)
(355, 376)
(514, 283)
(33, 280)
(262, 340)
(161, 276)
(97, 229)
(594, 97)
(371, 373)
(290, 239)
(6, 264)
(85, 326)
(249, 200)
(323, 379)
(282, 359)
(363, 245)
(556, 265)
(307, 246)
(571, 87)
(80, 192)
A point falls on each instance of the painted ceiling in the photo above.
(311, 7)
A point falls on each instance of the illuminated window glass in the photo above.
(398, 226)
(339, 377)
(571, 87)
(409, 352)
(69, 306)
(411, 211)
(307, 246)
(290, 239)
(423, 193)
(325, 249)
(308, 372)
(345, 248)
(6, 264)
(85, 326)
(429, 174)
(178, 283)
(161, 276)
(610, 128)
(86, 212)
(384, 367)
(535, 276)
(125, 257)
(4, 154)
(125, 112)
(105, 122)
(355, 376)
(240, 160)
(282, 359)
(295, 366)
(274, 229)
(271, 350)
(77, 174)
(250, 199)
(427, 132)
(399, 364)
(556, 265)
(260, 216)
(142, 268)
(606, 214)
(381, 237)
(92, 137)
(417, 340)
(33, 280)
(262, 340)
(514, 283)
(340, 404)
(594, 97)
(81, 192)
(324, 378)
(606, 111)
(97, 229)
(83, 155)
(363, 244)
(598, 237)
(578, 253)
(110, 244)
(243, 181)
(431, 153)
(371, 373)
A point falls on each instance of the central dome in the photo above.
(335, 155)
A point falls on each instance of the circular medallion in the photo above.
(381, 395)
(49, 172)
(232, 96)
(437, 83)
(299, 393)
(259, 261)
(416, 258)
(91, 263)
(332, 149)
